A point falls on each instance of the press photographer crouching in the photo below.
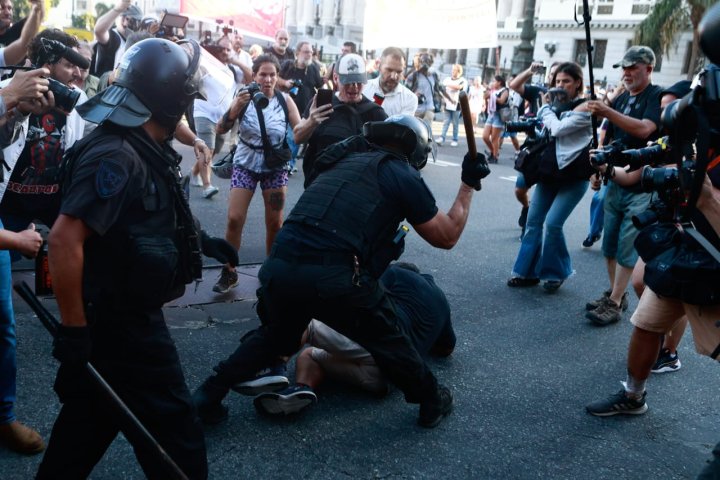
(558, 161)
(682, 271)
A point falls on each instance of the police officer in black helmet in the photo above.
(333, 247)
(124, 244)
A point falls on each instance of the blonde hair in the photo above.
(459, 68)
(255, 50)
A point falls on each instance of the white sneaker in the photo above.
(453, 144)
(196, 181)
(439, 140)
(210, 191)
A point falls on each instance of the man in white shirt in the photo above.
(386, 90)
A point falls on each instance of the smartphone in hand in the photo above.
(324, 97)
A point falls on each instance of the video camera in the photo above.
(51, 52)
(258, 98)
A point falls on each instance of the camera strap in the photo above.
(261, 120)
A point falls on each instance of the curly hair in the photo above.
(36, 51)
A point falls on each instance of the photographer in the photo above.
(634, 118)
(301, 78)
(261, 132)
(24, 87)
(563, 180)
(425, 83)
(42, 131)
(533, 95)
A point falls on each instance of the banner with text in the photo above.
(262, 17)
(430, 24)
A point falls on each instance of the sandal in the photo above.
(522, 282)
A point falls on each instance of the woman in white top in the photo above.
(249, 163)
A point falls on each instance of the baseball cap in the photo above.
(133, 11)
(351, 69)
(637, 54)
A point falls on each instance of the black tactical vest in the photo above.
(346, 201)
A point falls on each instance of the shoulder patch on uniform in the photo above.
(110, 178)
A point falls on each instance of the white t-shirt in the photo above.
(452, 103)
(401, 101)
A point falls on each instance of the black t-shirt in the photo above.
(103, 59)
(311, 82)
(113, 190)
(645, 105)
(12, 33)
(32, 191)
(405, 193)
(281, 58)
(422, 308)
(533, 94)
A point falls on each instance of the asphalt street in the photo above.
(525, 366)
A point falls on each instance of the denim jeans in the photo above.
(293, 146)
(454, 117)
(597, 212)
(8, 364)
(548, 258)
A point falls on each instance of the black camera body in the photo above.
(258, 98)
(52, 51)
(608, 155)
(297, 85)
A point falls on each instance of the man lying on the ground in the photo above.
(424, 315)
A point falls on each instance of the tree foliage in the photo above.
(668, 19)
(85, 21)
(21, 8)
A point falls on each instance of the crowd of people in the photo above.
(90, 155)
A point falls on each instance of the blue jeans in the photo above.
(548, 258)
(597, 212)
(8, 365)
(293, 146)
(454, 117)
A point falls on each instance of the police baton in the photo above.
(131, 427)
(469, 127)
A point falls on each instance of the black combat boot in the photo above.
(208, 401)
(434, 409)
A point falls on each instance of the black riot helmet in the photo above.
(155, 79)
(404, 133)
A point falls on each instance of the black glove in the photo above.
(72, 345)
(474, 169)
(219, 249)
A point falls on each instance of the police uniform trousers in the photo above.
(135, 354)
(297, 288)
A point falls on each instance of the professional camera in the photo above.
(608, 155)
(297, 84)
(652, 155)
(256, 95)
(528, 125)
(52, 51)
